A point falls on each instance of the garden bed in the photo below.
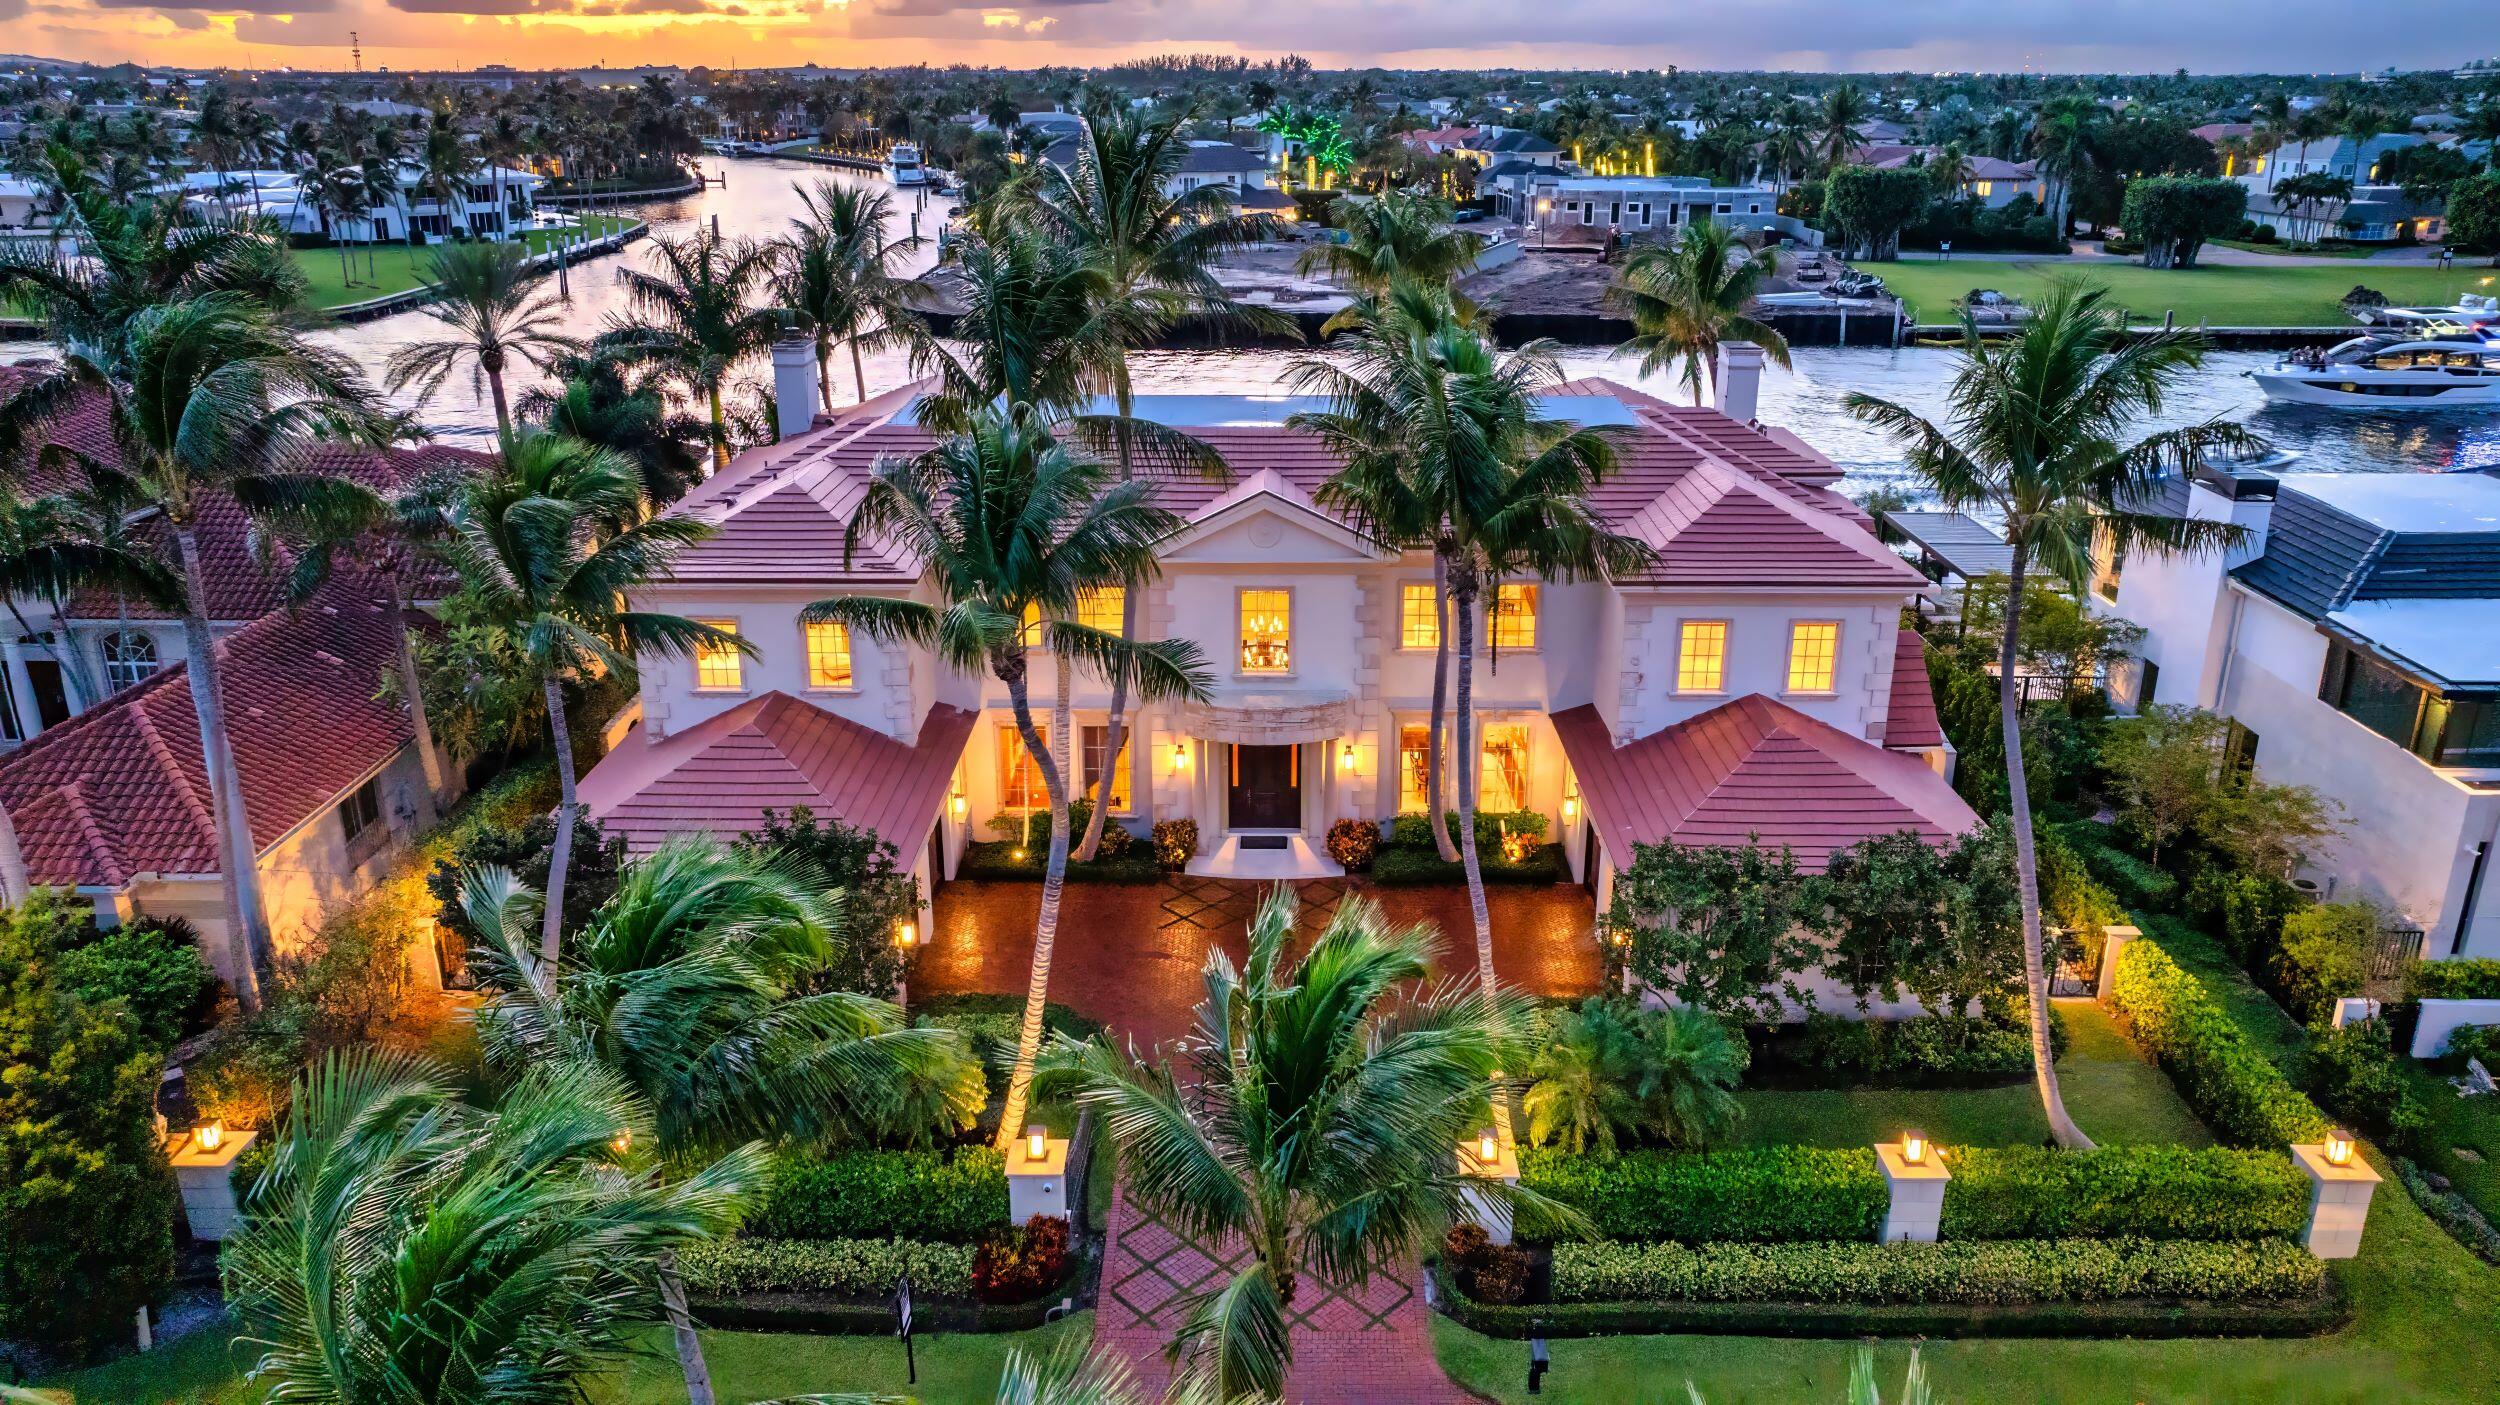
(996, 862)
(1408, 865)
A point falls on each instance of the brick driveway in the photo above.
(1130, 955)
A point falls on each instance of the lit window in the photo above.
(1019, 775)
(129, 657)
(1985, 188)
(1514, 616)
(1813, 656)
(1701, 661)
(828, 654)
(1502, 783)
(1419, 617)
(1031, 635)
(1414, 754)
(719, 665)
(1096, 739)
(1266, 631)
(1101, 609)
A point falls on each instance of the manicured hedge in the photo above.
(2144, 1192)
(1405, 865)
(855, 1267)
(1999, 1271)
(997, 863)
(1921, 1051)
(2474, 979)
(2230, 1083)
(1777, 1193)
(2134, 881)
(952, 1198)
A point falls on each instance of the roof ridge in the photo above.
(91, 830)
(165, 757)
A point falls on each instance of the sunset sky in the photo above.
(2064, 35)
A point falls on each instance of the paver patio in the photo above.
(1130, 954)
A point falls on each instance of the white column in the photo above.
(1037, 1185)
(2339, 1200)
(2114, 940)
(206, 1176)
(1916, 1207)
(1489, 1211)
(22, 691)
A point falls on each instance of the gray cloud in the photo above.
(225, 7)
(663, 7)
(481, 7)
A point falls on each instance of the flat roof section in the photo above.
(2409, 502)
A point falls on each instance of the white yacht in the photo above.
(2390, 372)
(2467, 313)
(902, 165)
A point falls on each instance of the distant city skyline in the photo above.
(2227, 36)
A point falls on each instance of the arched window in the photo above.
(129, 657)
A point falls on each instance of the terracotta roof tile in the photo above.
(1753, 771)
(1910, 713)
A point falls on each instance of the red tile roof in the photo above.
(1910, 713)
(1715, 526)
(1753, 771)
(777, 752)
(120, 791)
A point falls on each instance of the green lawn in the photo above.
(2109, 1088)
(2465, 1140)
(2278, 250)
(746, 1366)
(2292, 296)
(396, 268)
(2426, 1318)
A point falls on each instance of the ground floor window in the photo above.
(1414, 754)
(1502, 782)
(1097, 740)
(1019, 774)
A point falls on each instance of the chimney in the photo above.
(794, 385)
(2241, 496)
(1740, 380)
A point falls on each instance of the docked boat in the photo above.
(2391, 372)
(2468, 313)
(902, 165)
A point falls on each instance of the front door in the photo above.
(1266, 787)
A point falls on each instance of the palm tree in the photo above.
(1314, 1120)
(696, 987)
(1155, 253)
(1836, 137)
(595, 401)
(133, 255)
(548, 544)
(2064, 142)
(835, 270)
(1688, 297)
(444, 164)
(1667, 1074)
(482, 293)
(404, 1246)
(1400, 234)
(1504, 489)
(1007, 518)
(695, 317)
(2037, 438)
(206, 397)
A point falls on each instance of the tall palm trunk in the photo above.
(690, 1362)
(551, 924)
(492, 363)
(824, 370)
(1011, 671)
(1436, 792)
(13, 882)
(720, 429)
(247, 921)
(1116, 735)
(1463, 595)
(859, 373)
(2027, 869)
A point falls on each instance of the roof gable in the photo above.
(1266, 517)
(1717, 527)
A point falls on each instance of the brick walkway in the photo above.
(1371, 1343)
(1130, 956)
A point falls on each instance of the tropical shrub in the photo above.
(1415, 831)
(1019, 1265)
(1484, 1270)
(1354, 843)
(1777, 1193)
(989, 1025)
(1611, 1069)
(2230, 1083)
(525, 848)
(2477, 978)
(2010, 1271)
(1921, 1051)
(2247, 909)
(154, 964)
(1116, 838)
(877, 894)
(1723, 929)
(2472, 1042)
(2130, 879)
(2142, 1192)
(954, 1198)
(853, 1267)
(2325, 955)
(1176, 842)
(2354, 1072)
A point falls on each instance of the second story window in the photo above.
(719, 667)
(1419, 617)
(129, 657)
(1266, 631)
(1031, 636)
(1514, 616)
(1813, 656)
(1102, 609)
(828, 654)
(1701, 657)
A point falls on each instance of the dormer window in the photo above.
(1267, 631)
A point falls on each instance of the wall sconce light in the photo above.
(961, 804)
(1036, 1142)
(1571, 807)
(210, 1135)
(906, 934)
(1180, 756)
(2338, 1147)
(1914, 1147)
(1345, 758)
(1488, 1147)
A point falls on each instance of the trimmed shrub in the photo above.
(1021, 1264)
(1415, 831)
(2454, 1213)
(1402, 865)
(2230, 1083)
(1176, 842)
(852, 1267)
(1354, 843)
(2133, 881)
(1776, 1193)
(1997, 1272)
(2355, 1074)
(2143, 1192)
(2474, 979)
(1831, 1051)
(153, 963)
(2324, 956)
(997, 863)
(957, 1198)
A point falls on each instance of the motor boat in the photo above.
(902, 165)
(2467, 313)
(2391, 372)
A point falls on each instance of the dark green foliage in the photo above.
(524, 848)
(1973, 226)
(1900, 915)
(2144, 1192)
(86, 1203)
(2230, 1083)
(2354, 1073)
(1926, 1051)
(997, 863)
(155, 965)
(957, 1197)
(2474, 213)
(1415, 831)
(1991, 1272)
(1400, 865)
(1722, 929)
(1769, 1194)
(2132, 881)
(2476, 978)
(2324, 956)
(989, 1023)
(2246, 909)
(876, 894)
(1869, 208)
(2173, 216)
(1613, 1069)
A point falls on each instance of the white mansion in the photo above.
(1757, 682)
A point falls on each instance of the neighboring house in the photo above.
(1756, 682)
(2352, 638)
(1498, 146)
(1249, 174)
(1635, 206)
(1994, 182)
(2376, 214)
(23, 205)
(1440, 141)
(2357, 162)
(496, 203)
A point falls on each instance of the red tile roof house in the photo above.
(1757, 681)
(108, 796)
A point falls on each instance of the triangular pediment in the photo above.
(1266, 518)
